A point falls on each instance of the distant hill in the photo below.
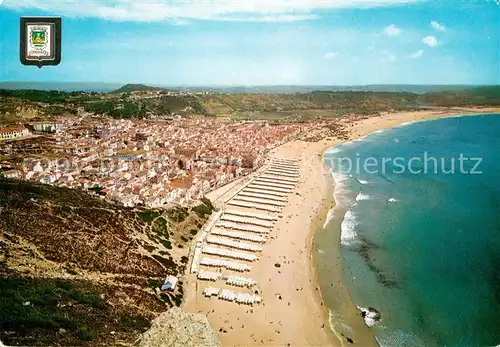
(481, 96)
(338, 102)
(76, 270)
(239, 104)
(394, 88)
(278, 89)
(135, 88)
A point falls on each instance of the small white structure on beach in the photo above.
(273, 185)
(227, 253)
(238, 235)
(241, 298)
(263, 201)
(230, 265)
(247, 220)
(243, 226)
(211, 291)
(286, 184)
(262, 196)
(281, 173)
(250, 214)
(239, 281)
(261, 187)
(170, 283)
(208, 275)
(270, 193)
(254, 205)
(233, 244)
(283, 179)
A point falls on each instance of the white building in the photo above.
(13, 133)
(46, 127)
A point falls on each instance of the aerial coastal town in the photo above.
(141, 163)
(205, 201)
(178, 173)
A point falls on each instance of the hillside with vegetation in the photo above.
(482, 96)
(142, 101)
(339, 102)
(76, 270)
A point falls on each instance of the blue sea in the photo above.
(420, 235)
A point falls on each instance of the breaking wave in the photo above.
(333, 150)
(363, 196)
(362, 182)
(348, 234)
(341, 189)
(371, 317)
(337, 324)
(329, 217)
(406, 124)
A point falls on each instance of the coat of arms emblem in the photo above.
(38, 37)
(40, 41)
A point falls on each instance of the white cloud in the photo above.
(234, 10)
(438, 26)
(417, 54)
(272, 18)
(331, 55)
(430, 41)
(392, 30)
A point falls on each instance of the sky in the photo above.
(263, 42)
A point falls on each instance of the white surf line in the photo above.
(259, 191)
(273, 189)
(247, 220)
(250, 214)
(259, 201)
(257, 195)
(237, 226)
(254, 206)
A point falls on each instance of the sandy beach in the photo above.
(293, 313)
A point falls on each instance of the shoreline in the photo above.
(364, 128)
(294, 310)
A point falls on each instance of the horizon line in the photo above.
(254, 85)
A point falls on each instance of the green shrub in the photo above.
(84, 333)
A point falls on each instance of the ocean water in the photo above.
(422, 246)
